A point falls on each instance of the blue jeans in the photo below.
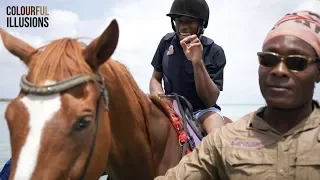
(201, 112)
(5, 173)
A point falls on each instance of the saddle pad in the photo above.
(192, 133)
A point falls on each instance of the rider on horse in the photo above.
(190, 63)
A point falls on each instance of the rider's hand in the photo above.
(157, 93)
(192, 48)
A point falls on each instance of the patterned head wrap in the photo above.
(302, 24)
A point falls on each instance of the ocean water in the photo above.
(234, 112)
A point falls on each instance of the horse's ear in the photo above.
(16, 46)
(101, 49)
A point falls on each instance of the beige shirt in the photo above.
(250, 149)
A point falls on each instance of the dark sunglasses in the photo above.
(293, 62)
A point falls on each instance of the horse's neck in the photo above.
(129, 111)
(127, 102)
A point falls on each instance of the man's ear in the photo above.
(16, 46)
(101, 48)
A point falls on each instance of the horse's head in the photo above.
(53, 122)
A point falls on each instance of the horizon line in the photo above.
(10, 99)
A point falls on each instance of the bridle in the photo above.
(30, 88)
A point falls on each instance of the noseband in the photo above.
(30, 88)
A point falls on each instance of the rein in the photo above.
(185, 120)
(30, 88)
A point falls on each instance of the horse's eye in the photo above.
(83, 123)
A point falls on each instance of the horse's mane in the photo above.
(62, 57)
(136, 98)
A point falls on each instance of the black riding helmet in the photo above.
(192, 8)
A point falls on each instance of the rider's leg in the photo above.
(210, 118)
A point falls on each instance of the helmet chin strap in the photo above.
(173, 25)
(200, 30)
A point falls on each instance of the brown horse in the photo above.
(57, 130)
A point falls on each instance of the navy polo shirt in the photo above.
(177, 70)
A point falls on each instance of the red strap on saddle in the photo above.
(177, 124)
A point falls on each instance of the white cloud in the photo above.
(237, 26)
(62, 24)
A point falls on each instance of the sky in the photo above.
(239, 27)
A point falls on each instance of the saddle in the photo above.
(180, 112)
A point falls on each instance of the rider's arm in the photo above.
(209, 81)
(201, 163)
(155, 85)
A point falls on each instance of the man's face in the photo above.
(186, 26)
(280, 86)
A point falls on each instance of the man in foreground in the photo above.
(281, 140)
